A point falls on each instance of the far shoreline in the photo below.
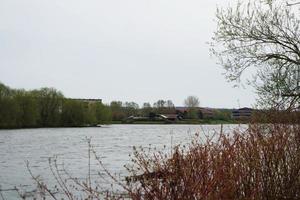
(204, 122)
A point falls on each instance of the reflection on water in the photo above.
(112, 143)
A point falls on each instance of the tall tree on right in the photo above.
(264, 36)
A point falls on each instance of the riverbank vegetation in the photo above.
(47, 107)
(164, 111)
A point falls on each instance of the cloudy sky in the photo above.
(128, 50)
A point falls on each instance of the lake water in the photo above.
(113, 143)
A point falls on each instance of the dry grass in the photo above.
(262, 162)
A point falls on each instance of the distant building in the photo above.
(90, 101)
(206, 113)
(171, 117)
(181, 111)
(242, 113)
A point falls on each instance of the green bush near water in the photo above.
(47, 107)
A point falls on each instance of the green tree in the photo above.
(130, 109)
(73, 113)
(117, 110)
(50, 106)
(9, 108)
(47, 107)
(222, 114)
(90, 113)
(28, 114)
(103, 113)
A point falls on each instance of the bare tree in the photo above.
(159, 104)
(192, 102)
(288, 3)
(170, 104)
(265, 37)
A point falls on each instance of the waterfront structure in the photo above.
(170, 117)
(242, 113)
(206, 113)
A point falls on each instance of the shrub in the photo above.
(262, 162)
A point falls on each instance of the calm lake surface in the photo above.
(113, 143)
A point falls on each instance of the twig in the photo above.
(1, 195)
(41, 185)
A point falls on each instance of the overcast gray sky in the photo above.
(128, 50)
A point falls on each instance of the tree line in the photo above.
(47, 107)
(122, 110)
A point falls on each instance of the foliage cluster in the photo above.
(47, 107)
